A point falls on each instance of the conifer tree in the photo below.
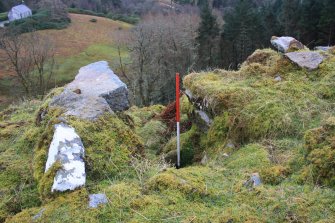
(327, 22)
(290, 16)
(244, 30)
(208, 33)
(309, 21)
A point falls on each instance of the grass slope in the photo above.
(294, 161)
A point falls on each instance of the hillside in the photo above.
(260, 149)
(81, 43)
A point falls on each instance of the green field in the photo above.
(68, 68)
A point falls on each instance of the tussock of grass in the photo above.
(187, 180)
(320, 154)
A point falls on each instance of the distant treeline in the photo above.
(218, 34)
(249, 25)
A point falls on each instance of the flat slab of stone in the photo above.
(309, 60)
(97, 199)
(67, 148)
(286, 43)
(95, 90)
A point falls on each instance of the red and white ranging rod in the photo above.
(178, 118)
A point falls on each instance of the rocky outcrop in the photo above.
(67, 149)
(286, 44)
(200, 115)
(95, 90)
(309, 60)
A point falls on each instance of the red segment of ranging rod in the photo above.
(177, 98)
(178, 119)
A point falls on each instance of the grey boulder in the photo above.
(286, 44)
(67, 149)
(94, 91)
(309, 60)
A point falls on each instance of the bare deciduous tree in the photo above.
(31, 56)
(161, 46)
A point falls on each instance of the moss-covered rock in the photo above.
(258, 105)
(108, 143)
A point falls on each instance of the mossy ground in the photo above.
(279, 130)
(257, 106)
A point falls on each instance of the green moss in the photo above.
(218, 133)
(143, 115)
(153, 134)
(320, 154)
(274, 175)
(18, 188)
(65, 208)
(189, 181)
(47, 180)
(108, 145)
(42, 146)
(191, 149)
(186, 107)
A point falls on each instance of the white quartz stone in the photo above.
(67, 148)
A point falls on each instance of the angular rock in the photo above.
(309, 60)
(67, 148)
(95, 90)
(82, 106)
(202, 120)
(96, 199)
(286, 44)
